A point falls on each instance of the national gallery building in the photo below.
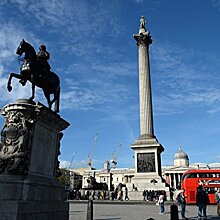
(113, 176)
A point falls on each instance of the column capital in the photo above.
(143, 38)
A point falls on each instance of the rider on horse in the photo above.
(43, 56)
(36, 70)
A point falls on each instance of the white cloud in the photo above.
(216, 3)
(107, 87)
(75, 16)
(10, 38)
(181, 81)
(64, 164)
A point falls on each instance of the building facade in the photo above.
(114, 176)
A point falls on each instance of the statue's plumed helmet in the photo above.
(42, 47)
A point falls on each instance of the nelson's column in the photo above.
(147, 148)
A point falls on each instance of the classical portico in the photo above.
(147, 149)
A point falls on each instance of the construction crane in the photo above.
(114, 159)
(89, 161)
(72, 160)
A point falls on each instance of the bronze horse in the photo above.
(32, 70)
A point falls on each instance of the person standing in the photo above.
(144, 195)
(171, 194)
(161, 204)
(93, 194)
(126, 194)
(217, 199)
(98, 195)
(201, 201)
(181, 199)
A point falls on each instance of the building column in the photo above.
(172, 180)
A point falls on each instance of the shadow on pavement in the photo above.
(210, 217)
(107, 218)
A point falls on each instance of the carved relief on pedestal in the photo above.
(146, 162)
(15, 143)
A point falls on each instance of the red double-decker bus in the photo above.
(209, 179)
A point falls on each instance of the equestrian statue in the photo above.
(36, 69)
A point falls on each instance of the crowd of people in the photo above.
(117, 194)
(202, 200)
(153, 195)
(159, 196)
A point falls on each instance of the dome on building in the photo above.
(181, 158)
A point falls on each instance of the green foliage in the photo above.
(64, 179)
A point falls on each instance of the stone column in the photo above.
(172, 179)
(147, 148)
(146, 115)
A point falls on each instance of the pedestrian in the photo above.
(202, 200)
(116, 193)
(120, 195)
(112, 194)
(126, 193)
(93, 194)
(171, 194)
(161, 204)
(217, 199)
(98, 195)
(87, 194)
(144, 195)
(102, 194)
(78, 194)
(181, 199)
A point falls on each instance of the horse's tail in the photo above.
(57, 100)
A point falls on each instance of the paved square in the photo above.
(132, 211)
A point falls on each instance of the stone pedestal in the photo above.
(29, 147)
(147, 164)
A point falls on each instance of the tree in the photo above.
(64, 179)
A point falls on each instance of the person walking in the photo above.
(161, 204)
(202, 200)
(217, 199)
(181, 199)
(120, 196)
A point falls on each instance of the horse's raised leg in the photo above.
(33, 92)
(18, 76)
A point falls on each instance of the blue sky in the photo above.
(93, 52)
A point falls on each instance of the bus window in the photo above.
(202, 175)
(216, 175)
(190, 175)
